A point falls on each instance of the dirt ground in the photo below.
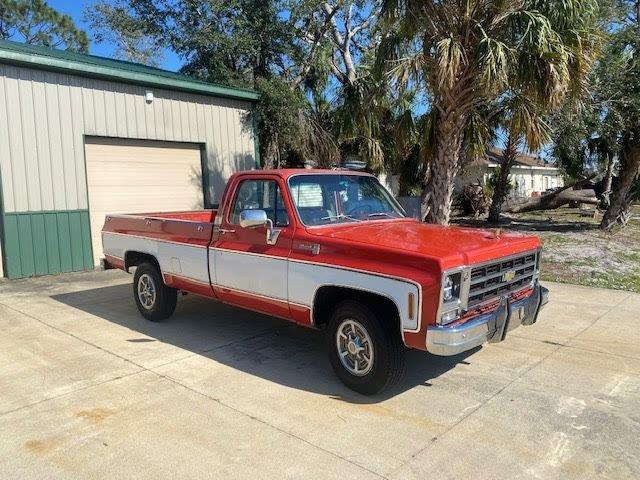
(576, 251)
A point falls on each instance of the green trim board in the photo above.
(44, 58)
(41, 243)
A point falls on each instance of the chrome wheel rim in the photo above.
(146, 291)
(355, 347)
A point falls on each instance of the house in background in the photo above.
(529, 175)
(82, 136)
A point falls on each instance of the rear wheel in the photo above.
(366, 351)
(155, 301)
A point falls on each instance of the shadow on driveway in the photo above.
(263, 346)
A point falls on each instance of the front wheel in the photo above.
(365, 351)
(155, 301)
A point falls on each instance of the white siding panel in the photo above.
(68, 153)
(184, 118)
(45, 116)
(30, 148)
(201, 124)
(141, 117)
(55, 142)
(88, 113)
(111, 112)
(16, 144)
(121, 114)
(6, 170)
(78, 129)
(42, 141)
(130, 108)
(100, 112)
(169, 127)
(176, 121)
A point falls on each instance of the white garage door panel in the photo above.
(131, 176)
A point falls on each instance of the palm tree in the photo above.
(466, 53)
(524, 123)
(619, 95)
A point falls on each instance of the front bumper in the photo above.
(490, 327)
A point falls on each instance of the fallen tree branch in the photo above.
(551, 201)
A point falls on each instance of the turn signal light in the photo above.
(410, 305)
(448, 317)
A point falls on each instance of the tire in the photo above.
(370, 334)
(159, 300)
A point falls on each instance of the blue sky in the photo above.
(75, 9)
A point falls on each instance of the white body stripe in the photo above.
(306, 278)
(259, 274)
(295, 281)
(183, 260)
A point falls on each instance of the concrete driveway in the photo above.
(89, 389)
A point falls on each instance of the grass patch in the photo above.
(631, 256)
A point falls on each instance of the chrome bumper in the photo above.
(491, 327)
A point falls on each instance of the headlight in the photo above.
(451, 287)
(450, 309)
(448, 289)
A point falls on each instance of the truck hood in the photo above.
(451, 246)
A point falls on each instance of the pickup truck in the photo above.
(332, 249)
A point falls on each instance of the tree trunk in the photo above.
(500, 191)
(618, 211)
(445, 164)
(608, 180)
(551, 201)
(269, 152)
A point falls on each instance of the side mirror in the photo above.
(253, 218)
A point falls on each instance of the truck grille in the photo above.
(504, 276)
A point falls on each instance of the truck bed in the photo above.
(188, 228)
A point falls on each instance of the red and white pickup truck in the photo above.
(333, 249)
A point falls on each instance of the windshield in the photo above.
(328, 199)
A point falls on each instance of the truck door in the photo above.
(249, 272)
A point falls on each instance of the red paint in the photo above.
(168, 227)
(188, 285)
(257, 303)
(405, 249)
(113, 262)
(301, 314)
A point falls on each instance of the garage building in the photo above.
(82, 136)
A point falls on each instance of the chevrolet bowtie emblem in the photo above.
(508, 276)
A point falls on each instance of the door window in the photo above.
(260, 195)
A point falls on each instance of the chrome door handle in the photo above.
(224, 230)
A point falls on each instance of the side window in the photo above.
(260, 195)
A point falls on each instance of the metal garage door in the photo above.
(136, 176)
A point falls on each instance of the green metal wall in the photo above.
(39, 243)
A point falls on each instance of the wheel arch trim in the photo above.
(355, 289)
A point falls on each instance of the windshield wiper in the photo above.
(381, 214)
(341, 216)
